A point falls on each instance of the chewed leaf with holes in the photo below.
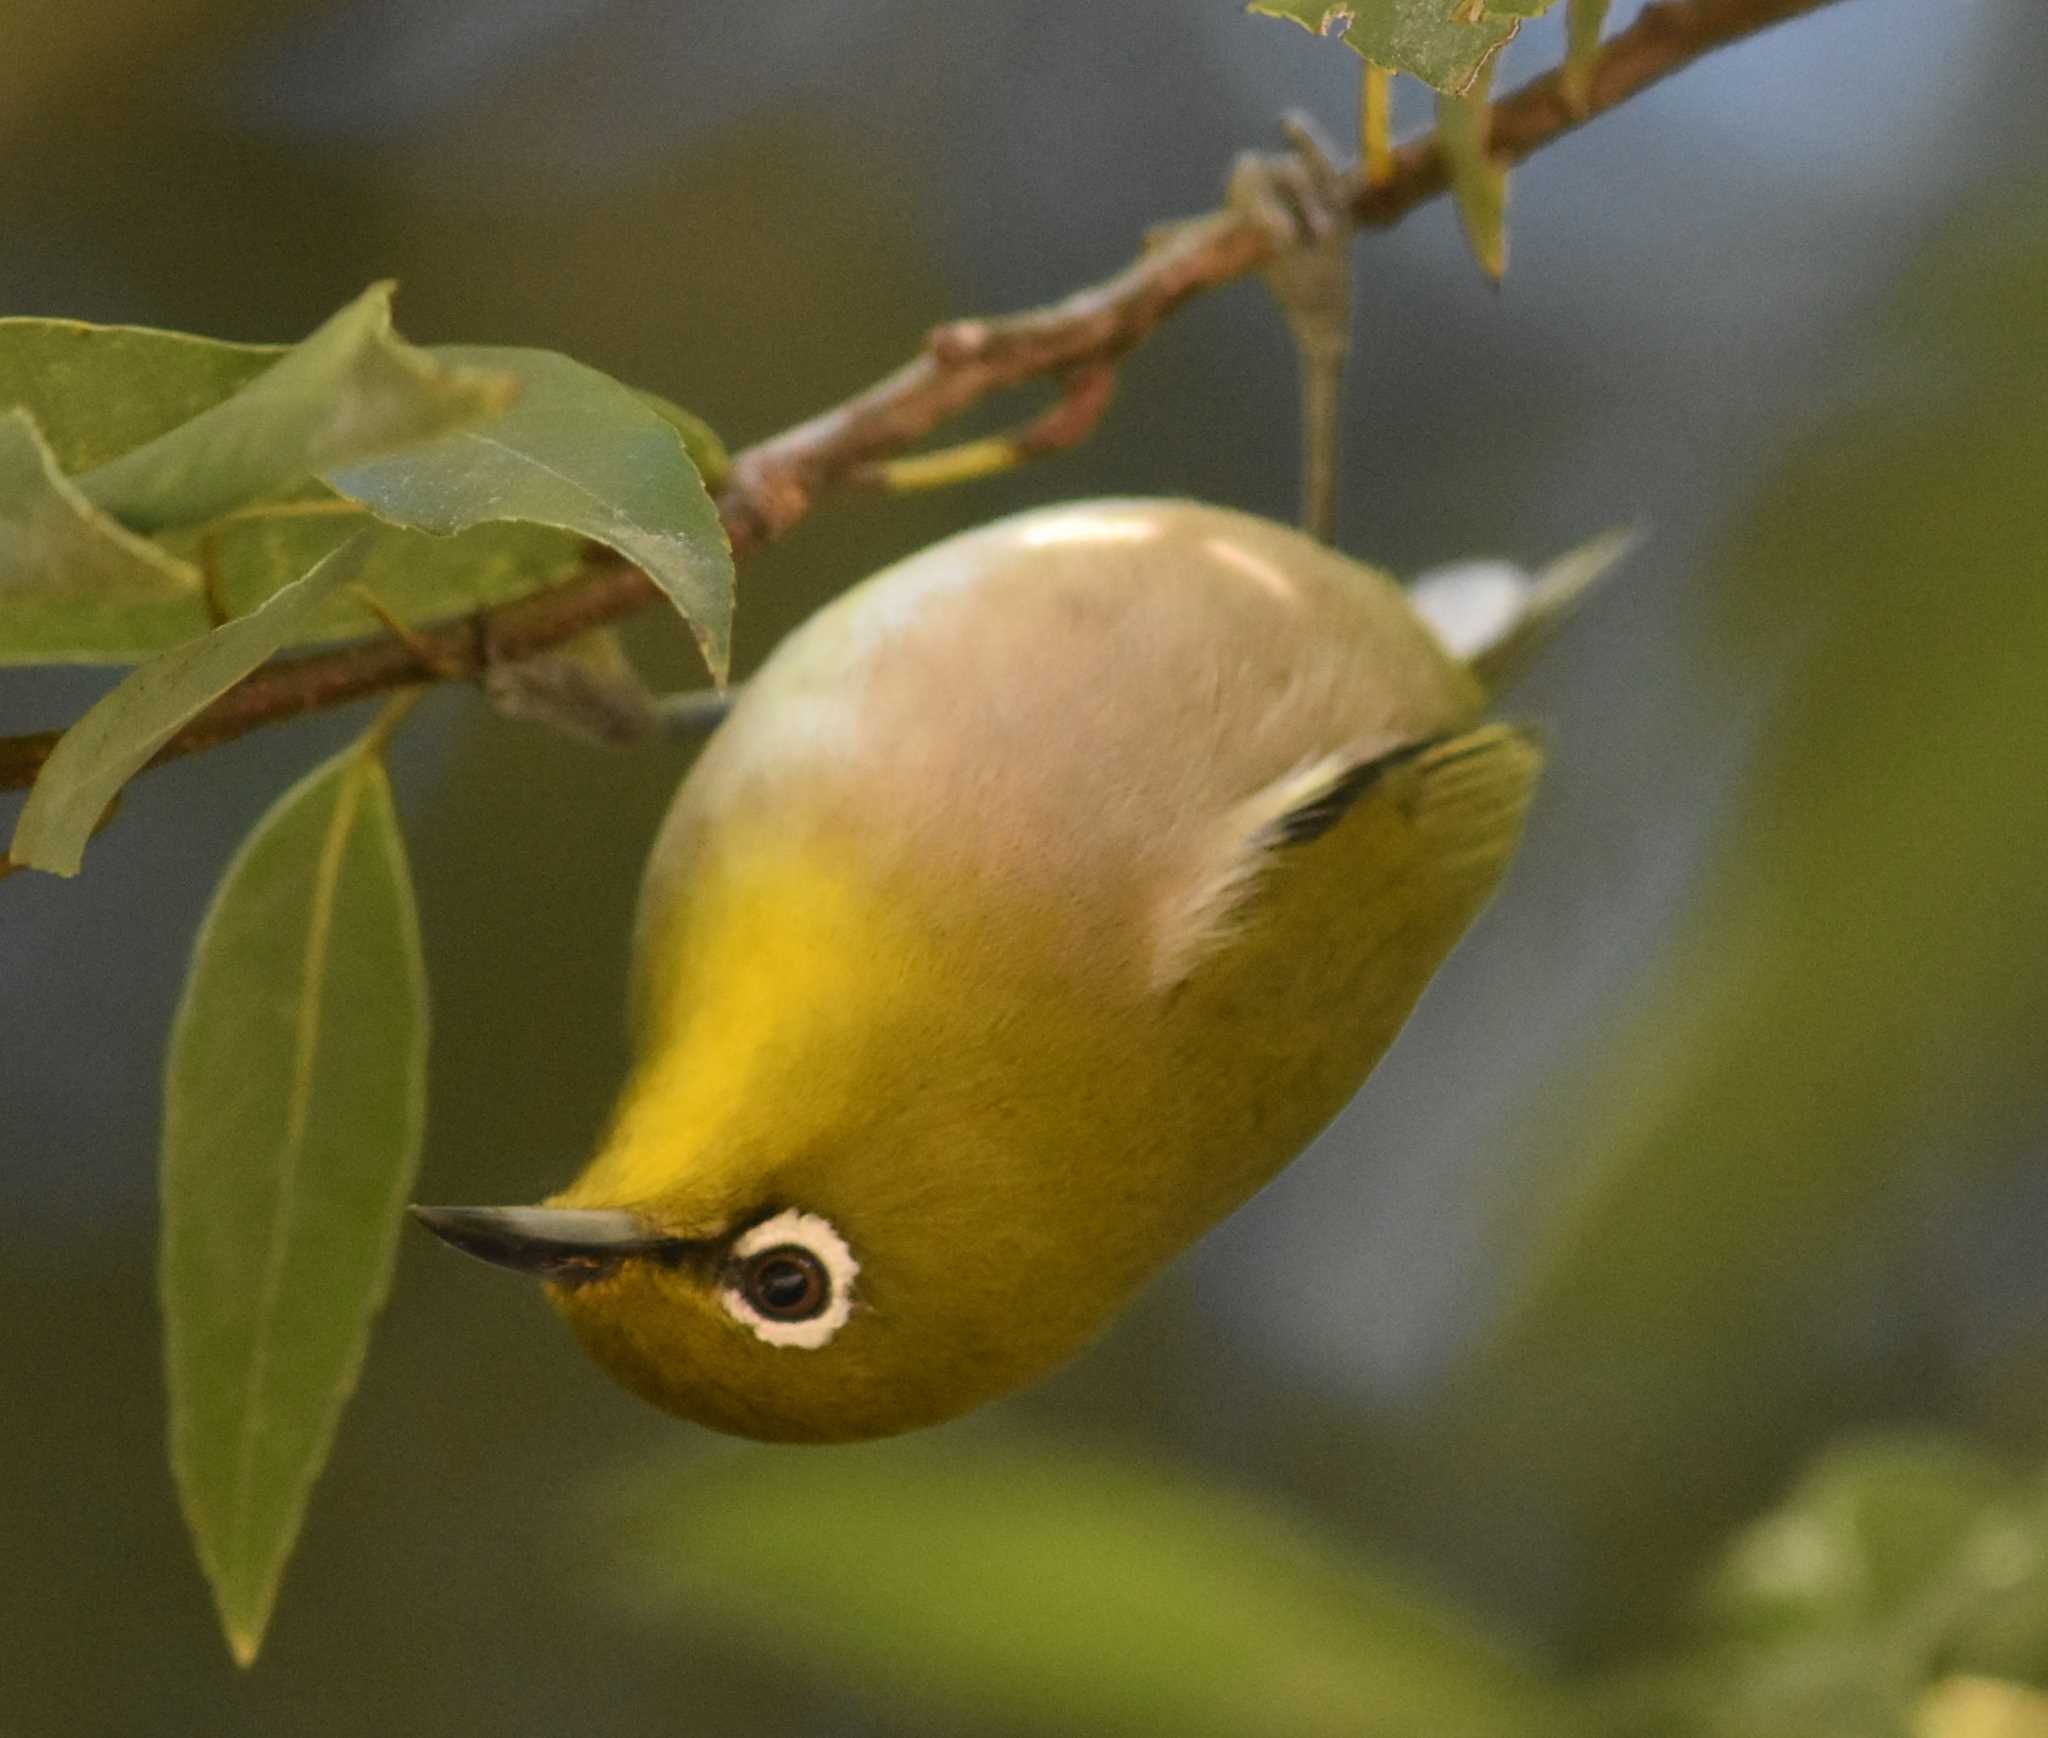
(294, 1106)
(578, 452)
(1442, 42)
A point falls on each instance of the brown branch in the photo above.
(1070, 420)
(775, 484)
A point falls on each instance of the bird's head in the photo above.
(800, 1226)
(760, 1324)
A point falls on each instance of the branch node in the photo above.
(958, 343)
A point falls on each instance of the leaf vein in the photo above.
(611, 508)
(319, 935)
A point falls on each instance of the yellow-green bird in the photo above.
(1038, 900)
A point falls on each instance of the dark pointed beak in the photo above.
(558, 1243)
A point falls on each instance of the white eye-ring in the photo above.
(790, 1280)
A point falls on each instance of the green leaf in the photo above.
(1479, 180)
(97, 392)
(294, 1106)
(1584, 20)
(700, 440)
(1443, 44)
(1005, 1588)
(352, 390)
(114, 741)
(420, 577)
(69, 575)
(579, 452)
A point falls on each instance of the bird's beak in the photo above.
(557, 1243)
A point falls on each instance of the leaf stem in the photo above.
(407, 637)
(393, 713)
(1376, 125)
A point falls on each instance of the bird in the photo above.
(1039, 899)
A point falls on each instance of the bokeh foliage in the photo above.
(1039, 1588)
(1845, 1031)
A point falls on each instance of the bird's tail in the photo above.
(1493, 615)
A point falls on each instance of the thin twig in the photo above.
(775, 484)
(1068, 422)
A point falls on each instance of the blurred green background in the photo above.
(1705, 1184)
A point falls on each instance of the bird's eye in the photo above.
(789, 1278)
(787, 1284)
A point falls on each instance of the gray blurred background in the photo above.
(754, 210)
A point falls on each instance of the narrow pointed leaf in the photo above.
(579, 452)
(421, 578)
(69, 575)
(351, 390)
(1015, 1590)
(1479, 180)
(115, 740)
(1584, 20)
(293, 1111)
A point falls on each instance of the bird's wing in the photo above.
(1452, 810)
